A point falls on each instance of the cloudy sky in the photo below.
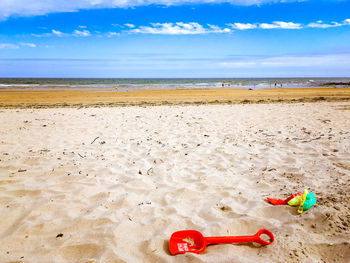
(174, 38)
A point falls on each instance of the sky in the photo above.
(174, 38)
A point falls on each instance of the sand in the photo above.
(112, 184)
(19, 98)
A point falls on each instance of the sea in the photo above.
(131, 84)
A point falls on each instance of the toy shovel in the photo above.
(193, 241)
(275, 201)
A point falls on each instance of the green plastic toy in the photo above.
(310, 201)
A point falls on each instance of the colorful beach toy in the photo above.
(304, 201)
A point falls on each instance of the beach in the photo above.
(90, 97)
(85, 182)
(192, 131)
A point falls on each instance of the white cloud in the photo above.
(130, 25)
(171, 29)
(217, 29)
(267, 26)
(280, 25)
(112, 34)
(193, 28)
(242, 26)
(82, 26)
(28, 44)
(53, 33)
(57, 33)
(76, 33)
(83, 33)
(179, 28)
(8, 46)
(10, 8)
(320, 24)
(287, 25)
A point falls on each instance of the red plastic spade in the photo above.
(193, 241)
(275, 201)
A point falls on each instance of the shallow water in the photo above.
(178, 83)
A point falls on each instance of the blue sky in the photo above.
(174, 38)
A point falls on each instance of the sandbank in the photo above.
(14, 98)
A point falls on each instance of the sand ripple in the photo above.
(112, 184)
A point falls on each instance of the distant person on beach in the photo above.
(281, 85)
(223, 85)
(275, 85)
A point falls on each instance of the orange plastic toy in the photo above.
(275, 201)
(193, 241)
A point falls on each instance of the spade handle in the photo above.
(242, 239)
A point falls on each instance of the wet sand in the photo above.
(111, 184)
(11, 98)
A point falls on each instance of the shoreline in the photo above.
(91, 98)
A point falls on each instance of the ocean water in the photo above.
(176, 83)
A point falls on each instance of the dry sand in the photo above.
(112, 184)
